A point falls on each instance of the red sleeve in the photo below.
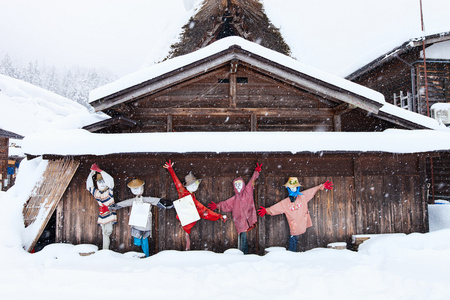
(226, 205)
(180, 188)
(251, 182)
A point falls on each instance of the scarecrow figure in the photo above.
(141, 214)
(191, 185)
(242, 207)
(100, 184)
(295, 207)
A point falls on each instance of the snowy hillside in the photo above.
(28, 109)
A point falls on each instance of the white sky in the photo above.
(122, 35)
(113, 34)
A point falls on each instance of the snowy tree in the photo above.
(7, 68)
(74, 83)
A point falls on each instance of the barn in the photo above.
(218, 111)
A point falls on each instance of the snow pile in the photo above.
(28, 109)
(81, 142)
(439, 215)
(438, 51)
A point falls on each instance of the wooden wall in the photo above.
(392, 77)
(441, 174)
(438, 81)
(224, 101)
(373, 193)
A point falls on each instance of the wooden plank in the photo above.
(47, 194)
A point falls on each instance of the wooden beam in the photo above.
(343, 108)
(281, 112)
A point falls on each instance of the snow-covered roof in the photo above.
(27, 109)
(157, 70)
(81, 142)
(438, 50)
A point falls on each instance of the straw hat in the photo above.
(292, 183)
(135, 183)
(190, 178)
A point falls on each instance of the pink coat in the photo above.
(242, 205)
(297, 213)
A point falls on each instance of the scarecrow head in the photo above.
(136, 186)
(101, 184)
(293, 187)
(238, 184)
(192, 183)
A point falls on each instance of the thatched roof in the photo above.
(217, 19)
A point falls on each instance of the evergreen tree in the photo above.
(74, 83)
(7, 68)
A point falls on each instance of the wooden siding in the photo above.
(392, 77)
(441, 172)
(438, 80)
(246, 100)
(373, 193)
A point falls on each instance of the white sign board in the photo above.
(186, 210)
(139, 214)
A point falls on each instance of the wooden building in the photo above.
(415, 76)
(6, 180)
(241, 91)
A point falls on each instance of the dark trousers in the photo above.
(242, 242)
(293, 240)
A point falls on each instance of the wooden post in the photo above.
(358, 195)
(337, 123)
(233, 84)
(253, 122)
(169, 123)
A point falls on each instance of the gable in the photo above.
(228, 101)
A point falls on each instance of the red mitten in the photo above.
(328, 185)
(258, 167)
(103, 209)
(262, 211)
(212, 206)
(168, 165)
(95, 168)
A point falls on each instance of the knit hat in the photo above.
(135, 183)
(292, 183)
(190, 178)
